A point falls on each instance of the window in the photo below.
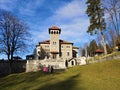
(54, 56)
(57, 32)
(47, 46)
(39, 52)
(67, 46)
(72, 62)
(61, 54)
(54, 43)
(68, 53)
(54, 32)
(51, 32)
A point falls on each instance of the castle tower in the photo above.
(54, 32)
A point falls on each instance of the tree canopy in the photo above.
(95, 13)
(13, 34)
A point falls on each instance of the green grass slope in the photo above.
(98, 76)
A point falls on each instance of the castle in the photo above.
(56, 48)
(54, 52)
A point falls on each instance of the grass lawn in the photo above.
(97, 76)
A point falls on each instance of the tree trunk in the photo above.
(8, 56)
(11, 56)
(104, 44)
(10, 64)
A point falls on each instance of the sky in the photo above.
(69, 15)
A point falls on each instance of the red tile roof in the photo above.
(99, 51)
(61, 42)
(45, 42)
(54, 28)
(75, 47)
(65, 42)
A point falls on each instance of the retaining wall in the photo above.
(35, 65)
(15, 66)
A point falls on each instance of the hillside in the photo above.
(98, 76)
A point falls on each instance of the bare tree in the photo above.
(112, 8)
(13, 34)
(111, 37)
(80, 50)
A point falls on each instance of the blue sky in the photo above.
(69, 15)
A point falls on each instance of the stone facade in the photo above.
(54, 52)
(36, 65)
(56, 48)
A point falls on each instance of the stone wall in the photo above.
(8, 67)
(35, 65)
(100, 59)
(59, 64)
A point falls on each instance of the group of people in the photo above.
(48, 69)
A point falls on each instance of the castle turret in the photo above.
(54, 32)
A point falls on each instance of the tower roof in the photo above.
(54, 28)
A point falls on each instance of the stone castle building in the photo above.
(54, 52)
(56, 48)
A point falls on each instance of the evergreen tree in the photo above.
(92, 47)
(100, 46)
(97, 22)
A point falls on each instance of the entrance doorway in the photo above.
(66, 63)
(72, 63)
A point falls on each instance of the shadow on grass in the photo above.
(31, 81)
(16, 79)
(68, 84)
(21, 78)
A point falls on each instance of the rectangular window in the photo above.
(54, 56)
(61, 54)
(47, 46)
(67, 46)
(54, 43)
(68, 53)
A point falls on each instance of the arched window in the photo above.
(72, 63)
(51, 32)
(57, 32)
